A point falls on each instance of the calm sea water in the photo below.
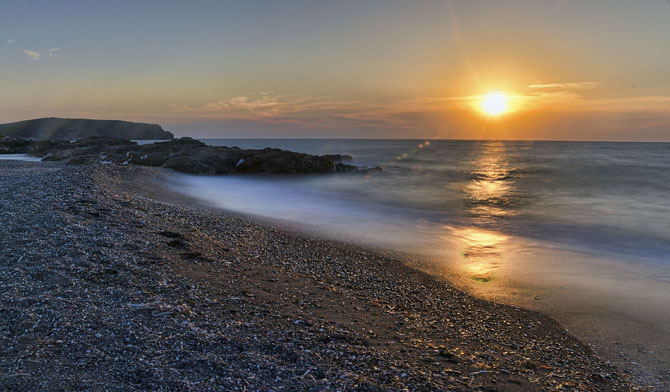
(605, 198)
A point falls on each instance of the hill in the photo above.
(74, 129)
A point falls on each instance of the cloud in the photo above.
(55, 53)
(51, 52)
(260, 105)
(565, 86)
(32, 54)
(457, 114)
(566, 95)
(319, 111)
(649, 104)
(10, 41)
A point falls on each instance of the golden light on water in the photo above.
(491, 193)
(482, 253)
(494, 103)
(489, 197)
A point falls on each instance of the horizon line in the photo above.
(429, 139)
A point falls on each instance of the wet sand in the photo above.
(611, 319)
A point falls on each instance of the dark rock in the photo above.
(191, 156)
(80, 160)
(339, 158)
(176, 243)
(184, 155)
(169, 234)
(9, 145)
(278, 161)
(187, 164)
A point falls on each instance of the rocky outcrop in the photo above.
(339, 157)
(77, 129)
(184, 155)
(9, 145)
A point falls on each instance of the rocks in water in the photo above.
(339, 158)
(64, 150)
(75, 129)
(279, 161)
(185, 155)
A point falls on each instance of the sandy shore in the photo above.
(108, 284)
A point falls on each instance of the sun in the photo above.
(494, 103)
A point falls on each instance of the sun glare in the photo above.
(494, 103)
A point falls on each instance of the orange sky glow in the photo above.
(569, 70)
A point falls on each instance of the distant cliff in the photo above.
(75, 129)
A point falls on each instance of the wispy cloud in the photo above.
(259, 105)
(318, 111)
(32, 54)
(565, 95)
(565, 86)
(53, 52)
(404, 113)
(10, 41)
(651, 103)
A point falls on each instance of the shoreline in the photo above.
(619, 318)
(217, 299)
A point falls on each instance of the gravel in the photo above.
(108, 284)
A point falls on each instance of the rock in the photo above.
(188, 164)
(278, 161)
(74, 129)
(339, 158)
(169, 234)
(190, 255)
(187, 155)
(9, 145)
(176, 243)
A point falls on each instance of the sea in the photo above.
(605, 199)
(577, 230)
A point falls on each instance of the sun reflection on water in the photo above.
(490, 194)
(490, 197)
(482, 253)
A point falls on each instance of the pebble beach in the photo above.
(108, 282)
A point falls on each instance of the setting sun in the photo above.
(494, 103)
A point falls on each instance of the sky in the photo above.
(569, 69)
